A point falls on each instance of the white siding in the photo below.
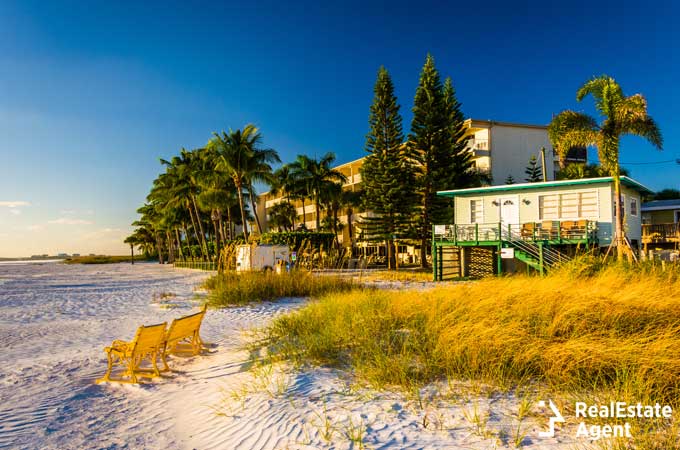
(596, 203)
(511, 148)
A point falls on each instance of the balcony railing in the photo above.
(548, 230)
(478, 144)
(660, 233)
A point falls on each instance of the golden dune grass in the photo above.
(581, 329)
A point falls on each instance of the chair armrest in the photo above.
(118, 346)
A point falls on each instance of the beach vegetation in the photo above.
(232, 288)
(103, 259)
(604, 332)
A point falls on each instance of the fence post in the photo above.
(434, 257)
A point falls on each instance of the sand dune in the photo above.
(56, 319)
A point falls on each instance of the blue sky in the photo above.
(93, 93)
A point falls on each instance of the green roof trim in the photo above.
(628, 182)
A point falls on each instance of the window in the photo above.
(475, 211)
(677, 215)
(570, 205)
(549, 206)
(633, 207)
(623, 205)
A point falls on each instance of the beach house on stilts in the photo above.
(531, 226)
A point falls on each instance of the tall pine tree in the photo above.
(438, 142)
(533, 172)
(387, 173)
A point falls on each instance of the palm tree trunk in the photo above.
(193, 224)
(304, 218)
(186, 234)
(350, 231)
(239, 189)
(159, 249)
(200, 225)
(318, 210)
(179, 244)
(254, 205)
(217, 240)
(619, 236)
(171, 247)
(229, 224)
(132, 254)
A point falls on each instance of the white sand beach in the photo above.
(55, 319)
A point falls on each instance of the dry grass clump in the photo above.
(231, 288)
(612, 330)
(406, 275)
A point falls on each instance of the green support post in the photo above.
(499, 260)
(477, 233)
(441, 263)
(540, 257)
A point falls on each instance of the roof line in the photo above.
(544, 184)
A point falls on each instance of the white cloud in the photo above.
(67, 221)
(67, 212)
(14, 204)
(35, 227)
(15, 211)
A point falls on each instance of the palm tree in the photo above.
(291, 188)
(622, 115)
(351, 200)
(132, 240)
(239, 156)
(315, 176)
(282, 216)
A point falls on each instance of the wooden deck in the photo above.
(660, 233)
(548, 232)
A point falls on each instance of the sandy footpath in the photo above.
(55, 319)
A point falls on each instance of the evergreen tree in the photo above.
(510, 180)
(533, 171)
(463, 173)
(387, 174)
(438, 143)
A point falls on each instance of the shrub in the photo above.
(295, 239)
(232, 288)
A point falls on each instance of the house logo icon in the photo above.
(557, 417)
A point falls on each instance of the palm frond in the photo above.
(647, 128)
(571, 129)
(604, 89)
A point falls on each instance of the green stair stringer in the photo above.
(528, 260)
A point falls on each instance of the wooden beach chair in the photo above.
(183, 336)
(548, 230)
(581, 229)
(528, 230)
(147, 345)
(567, 229)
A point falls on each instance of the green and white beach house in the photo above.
(526, 226)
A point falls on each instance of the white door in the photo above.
(509, 207)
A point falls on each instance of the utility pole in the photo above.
(545, 175)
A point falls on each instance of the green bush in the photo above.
(295, 239)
